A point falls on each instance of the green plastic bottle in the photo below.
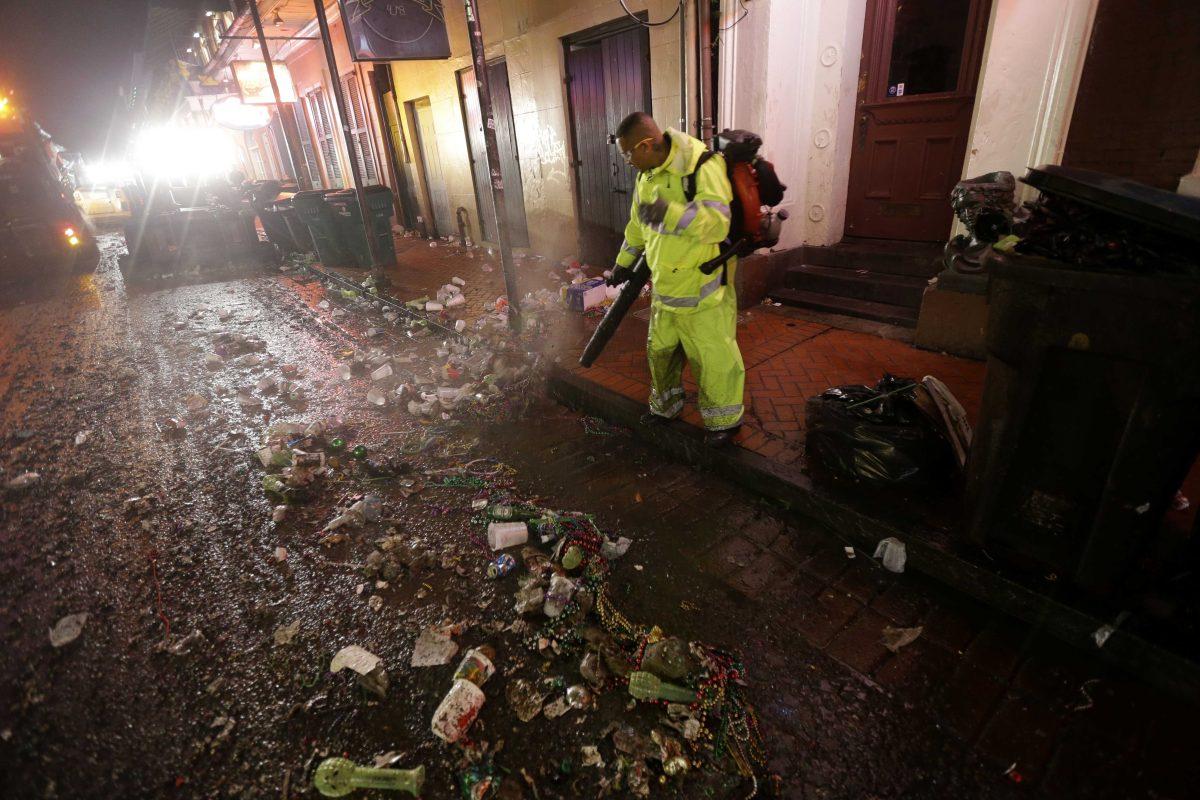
(514, 513)
(648, 686)
(337, 777)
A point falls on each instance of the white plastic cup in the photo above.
(502, 535)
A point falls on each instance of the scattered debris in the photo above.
(22, 481)
(368, 666)
(1085, 690)
(892, 553)
(896, 638)
(67, 629)
(524, 699)
(286, 634)
(461, 704)
(433, 648)
(1101, 635)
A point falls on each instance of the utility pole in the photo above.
(475, 34)
(344, 119)
(287, 122)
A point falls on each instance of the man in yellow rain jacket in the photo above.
(693, 315)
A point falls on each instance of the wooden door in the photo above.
(506, 139)
(437, 203)
(608, 76)
(916, 90)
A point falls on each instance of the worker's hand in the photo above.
(653, 213)
(619, 275)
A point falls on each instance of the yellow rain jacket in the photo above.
(693, 316)
(691, 232)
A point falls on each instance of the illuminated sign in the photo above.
(230, 112)
(395, 30)
(255, 84)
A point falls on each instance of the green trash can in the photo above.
(350, 227)
(318, 216)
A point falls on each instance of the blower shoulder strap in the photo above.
(689, 180)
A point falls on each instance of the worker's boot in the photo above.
(650, 418)
(721, 438)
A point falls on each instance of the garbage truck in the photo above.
(41, 228)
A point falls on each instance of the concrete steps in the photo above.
(904, 316)
(871, 279)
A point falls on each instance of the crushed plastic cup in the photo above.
(476, 666)
(456, 301)
(457, 711)
(561, 590)
(383, 373)
(460, 325)
(376, 398)
(892, 553)
(370, 507)
(433, 306)
(458, 281)
(448, 396)
(274, 456)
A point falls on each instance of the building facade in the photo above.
(871, 111)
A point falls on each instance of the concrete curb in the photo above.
(790, 488)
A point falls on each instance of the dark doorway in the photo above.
(506, 138)
(434, 201)
(399, 160)
(916, 90)
(608, 77)
(1136, 111)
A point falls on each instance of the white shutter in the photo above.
(318, 107)
(360, 130)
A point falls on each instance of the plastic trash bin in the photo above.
(1089, 421)
(318, 217)
(298, 233)
(350, 227)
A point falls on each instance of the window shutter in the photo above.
(310, 156)
(359, 129)
(319, 109)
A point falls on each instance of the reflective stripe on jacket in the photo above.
(691, 232)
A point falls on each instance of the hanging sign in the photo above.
(395, 30)
(255, 84)
(231, 112)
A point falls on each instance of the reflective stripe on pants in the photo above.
(707, 339)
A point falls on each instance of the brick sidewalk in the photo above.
(788, 360)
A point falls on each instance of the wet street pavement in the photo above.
(203, 667)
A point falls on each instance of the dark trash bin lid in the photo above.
(1167, 211)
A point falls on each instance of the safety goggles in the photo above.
(628, 154)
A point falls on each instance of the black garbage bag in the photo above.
(880, 435)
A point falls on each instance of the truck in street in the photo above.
(40, 225)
